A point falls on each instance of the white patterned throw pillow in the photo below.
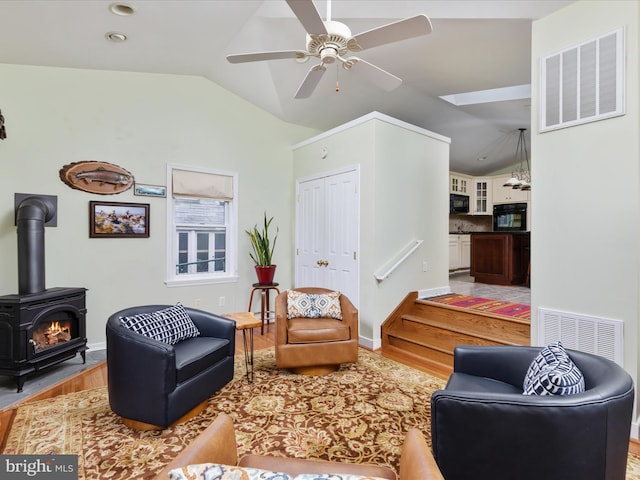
(307, 305)
(148, 325)
(170, 325)
(553, 372)
(334, 476)
(179, 321)
(214, 471)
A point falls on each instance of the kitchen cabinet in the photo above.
(500, 258)
(459, 183)
(482, 196)
(501, 194)
(459, 252)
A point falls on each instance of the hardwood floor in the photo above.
(96, 376)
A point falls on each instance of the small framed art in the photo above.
(118, 220)
(149, 190)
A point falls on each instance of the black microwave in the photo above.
(458, 203)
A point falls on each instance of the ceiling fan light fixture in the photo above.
(329, 41)
(328, 55)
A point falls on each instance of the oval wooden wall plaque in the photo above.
(96, 177)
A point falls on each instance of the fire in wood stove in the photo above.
(53, 334)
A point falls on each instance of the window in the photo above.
(201, 226)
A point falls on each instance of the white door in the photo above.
(327, 226)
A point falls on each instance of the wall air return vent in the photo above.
(583, 83)
(600, 336)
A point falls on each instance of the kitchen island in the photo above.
(500, 258)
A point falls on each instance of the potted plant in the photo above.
(263, 251)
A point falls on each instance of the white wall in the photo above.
(141, 122)
(586, 189)
(403, 197)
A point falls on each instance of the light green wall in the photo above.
(403, 197)
(141, 122)
(586, 189)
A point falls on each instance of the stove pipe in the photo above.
(31, 215)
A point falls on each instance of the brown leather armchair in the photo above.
(315, 346)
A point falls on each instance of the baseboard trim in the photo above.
(434, 292)
(370, 343)
(97, 346)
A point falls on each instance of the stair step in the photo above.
(486, 330)
(425, 352)
(428, 332)
(419, 361)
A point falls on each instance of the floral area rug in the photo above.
(487, 305)
(358, 414)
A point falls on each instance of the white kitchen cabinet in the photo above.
(459, 183)
(482, 196)
(459, 252)
(465, 251)
(454, 252)
(501, 194)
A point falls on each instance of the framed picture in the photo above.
(118, 220)
(149, 190)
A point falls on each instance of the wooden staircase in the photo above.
(426, 333)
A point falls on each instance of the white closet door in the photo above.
(327, 226)
(310, 233)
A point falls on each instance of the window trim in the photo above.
(172, 279)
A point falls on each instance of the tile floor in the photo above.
(464, 284)
(46, 377)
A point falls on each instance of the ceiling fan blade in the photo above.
(381, 78)
(310, 82)
(308, 15)
(391, 32)
(259, 56)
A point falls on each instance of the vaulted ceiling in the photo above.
(475, 45)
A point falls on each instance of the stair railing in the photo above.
(409, 250)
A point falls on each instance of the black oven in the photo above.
(510, 217)
(458, 203)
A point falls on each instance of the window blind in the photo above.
(186, 183)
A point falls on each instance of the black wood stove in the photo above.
(39, 327)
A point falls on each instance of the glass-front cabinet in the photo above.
(459, 183)
(482, 202)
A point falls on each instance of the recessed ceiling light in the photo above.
(121, 9)
(115, 37)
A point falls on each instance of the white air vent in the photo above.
(583, 83)
(600, 336)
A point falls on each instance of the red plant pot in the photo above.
(265, 274)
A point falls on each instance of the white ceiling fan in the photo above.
(331, 40)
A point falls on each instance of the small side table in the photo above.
(264, 290)
(246, 321)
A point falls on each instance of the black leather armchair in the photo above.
(483, 427)
(155, 383)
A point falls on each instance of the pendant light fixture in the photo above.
(521, 176)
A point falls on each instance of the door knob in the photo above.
(322, 263)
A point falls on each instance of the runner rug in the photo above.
(486, 305)
(358, 414)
